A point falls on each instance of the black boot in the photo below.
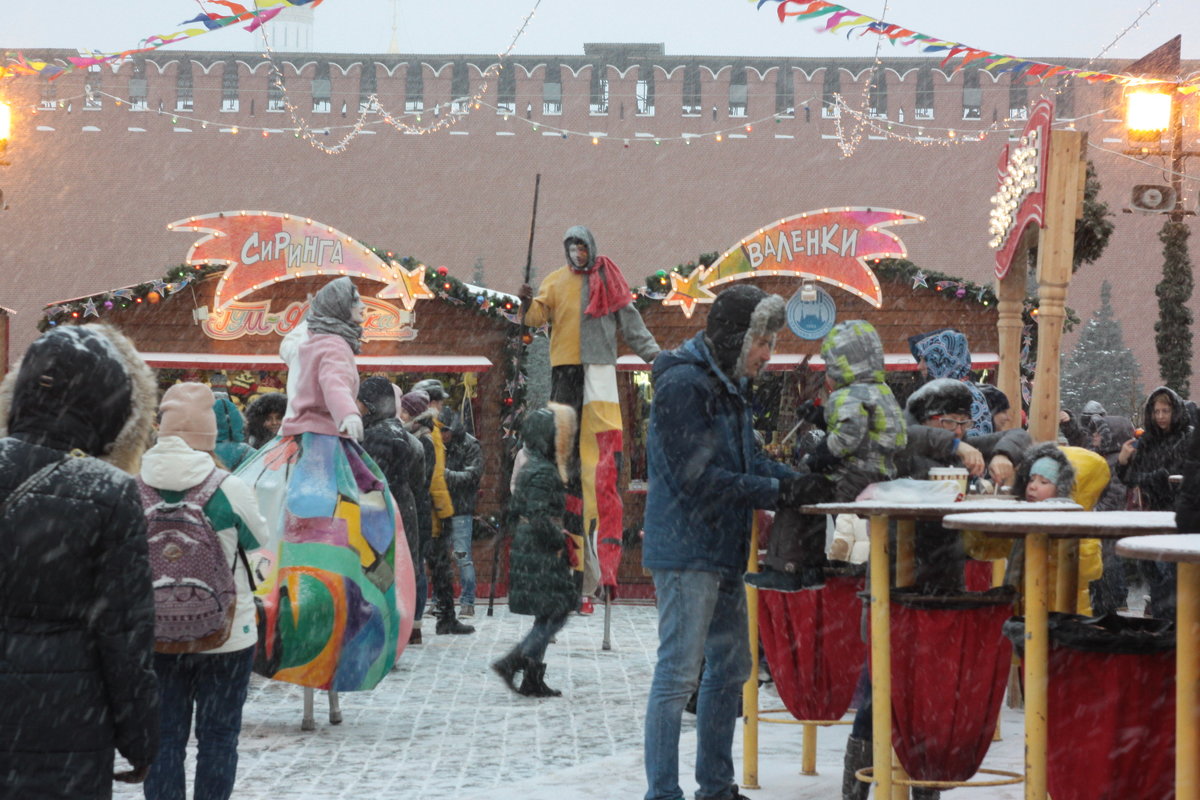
(448, 623)
(508, 667)
(858, 756)
(534, 683)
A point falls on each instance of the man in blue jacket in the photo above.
(706, 477)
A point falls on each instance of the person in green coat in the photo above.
(541, 581)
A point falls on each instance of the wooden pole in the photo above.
(1011, 293)
(1187, 690)
(881, 658)
(1037, 652)
(1056, 249)
(750, 688)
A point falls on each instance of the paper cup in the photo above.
(956, 475)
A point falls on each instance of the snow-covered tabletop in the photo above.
(870, 508)
(1180, 547)
(1088, 524)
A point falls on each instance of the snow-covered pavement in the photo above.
(442, 725)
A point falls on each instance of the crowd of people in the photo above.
(115, 499)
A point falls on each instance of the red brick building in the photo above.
(93, 182)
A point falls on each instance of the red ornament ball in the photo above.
(442, 271)
(527, 338)
(154, 297)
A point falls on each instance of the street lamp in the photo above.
(5, 123)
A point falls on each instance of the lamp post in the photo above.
(1155, 110)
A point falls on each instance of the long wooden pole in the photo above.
(537, 185)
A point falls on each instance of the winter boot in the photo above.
(534, 682)
(858, 756)
(508, 667)
(448, 623)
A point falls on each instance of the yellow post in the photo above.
(998, 569)
(906, 552)
(750, 689)
(1187, 690)
(1037, 651)
(881, 659)
(808, 749)
(1066, 576)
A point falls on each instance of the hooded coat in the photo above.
(864, 423)
(541, 582)
(947, 355)
(707, 473)
(398, 453)
(231, 441)
(76, 604)
(1159, 454)
(1082, 476)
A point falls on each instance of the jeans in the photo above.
(461, 528)
(534, 645)
(701, 618)
(215, 685)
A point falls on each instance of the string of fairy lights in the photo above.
(373, 105)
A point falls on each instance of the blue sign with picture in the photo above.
(811, 319)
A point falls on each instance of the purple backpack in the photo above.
(194, 592)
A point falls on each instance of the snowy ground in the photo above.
(443, 726)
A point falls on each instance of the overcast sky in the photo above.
(1026, 28)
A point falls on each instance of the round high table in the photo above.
(1037, 528)
(1184, 550)
(906, 515)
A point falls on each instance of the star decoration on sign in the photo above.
(89, 309)
(919, 280)
(160, 287)
(408, 285)
(686, 292)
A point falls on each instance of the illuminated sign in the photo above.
(832, 245)
(382, 321)
(1020, 200)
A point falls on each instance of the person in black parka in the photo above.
(1145, 465)
(76, 602)
(540, 578)
(397, 452)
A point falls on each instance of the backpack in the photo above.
(194, 591)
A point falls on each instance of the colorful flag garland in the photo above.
(263, 11)
(839, 18)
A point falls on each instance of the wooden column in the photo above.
(1056, 248)
(1011, 293)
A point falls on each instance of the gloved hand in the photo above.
(812, 412)
(801, 490)
(352, 426)
(820, 460)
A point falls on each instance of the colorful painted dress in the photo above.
(336, 591)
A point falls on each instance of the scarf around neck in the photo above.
(608, 291)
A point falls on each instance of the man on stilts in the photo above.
(585, 302)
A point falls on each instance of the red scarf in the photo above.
(608, 290)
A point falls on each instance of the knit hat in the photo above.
(738, 316)
(997, 400)
(431, 387)
(415, 403)
(186, 411)
(1047, 467)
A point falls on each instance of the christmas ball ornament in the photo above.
(108, 304)
(527, 338)
(154, 297)
(442, 271)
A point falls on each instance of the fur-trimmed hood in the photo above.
(939, 396)
(549, 433)
(1065, 485)
(86, 387)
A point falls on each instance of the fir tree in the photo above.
(1101, 367)
(1173, 331)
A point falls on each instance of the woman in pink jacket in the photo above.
(330, 617)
